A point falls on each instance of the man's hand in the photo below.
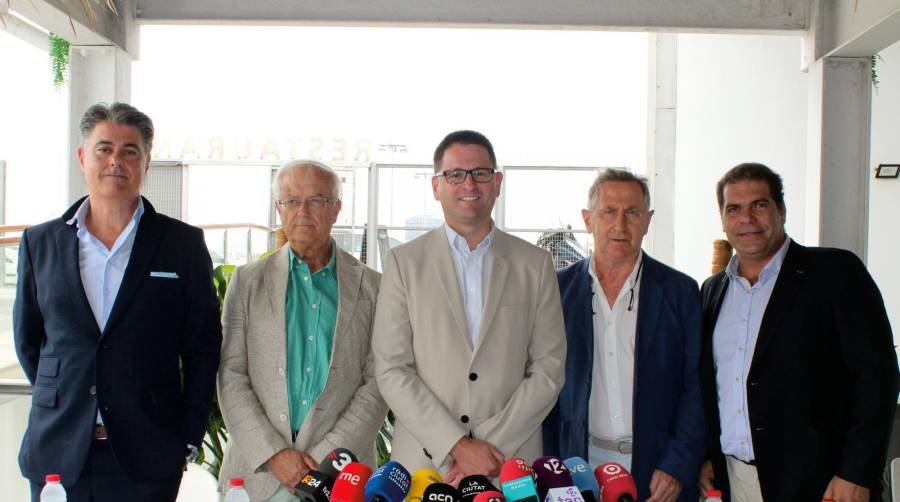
(705, 481)
(841, 490)
(663, 488)
(475, 456)
(453, 476)
(289, 466)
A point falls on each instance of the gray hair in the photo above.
(295, 165)
(118, 113)
(617, 175)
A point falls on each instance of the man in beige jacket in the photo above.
(296, 378)
(469, 341)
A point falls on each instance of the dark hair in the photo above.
(752, 171)
(617, 175)
(464, 137)
(118, 113)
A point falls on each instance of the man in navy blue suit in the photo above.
(633, 328)
(116, 325)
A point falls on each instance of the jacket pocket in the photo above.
(44, 396)
(48, 367)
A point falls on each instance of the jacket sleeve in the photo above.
(244, 415)
(686, 448)
(28, 322)
(866, 342)
(200, 344)
(544, 374)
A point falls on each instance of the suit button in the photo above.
(104, 346)
(281, 371)
(93, 390)
(283, 417)
(106, 408)
(473, 376)
(464, 419)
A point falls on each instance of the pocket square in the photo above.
(164, 275)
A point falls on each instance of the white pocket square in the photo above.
(164, 275)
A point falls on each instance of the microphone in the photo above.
(316, 485)
(552, 473)
(471, 486)
(583, 478)
(440, 492)
(616, 483)
(421, 479)
(489, 496)
(389, 483)
(349, 485)
(517, 481)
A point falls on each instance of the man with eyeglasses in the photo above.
(469, 341)
(633, 327)
(297, 380)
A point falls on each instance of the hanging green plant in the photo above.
(875, 59)
(59, 59)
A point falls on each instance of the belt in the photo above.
(100, 432)
(623, 447)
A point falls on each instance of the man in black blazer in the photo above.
(116, 325)
(798, 370)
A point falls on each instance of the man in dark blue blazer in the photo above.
(116, 325)
(633, 327)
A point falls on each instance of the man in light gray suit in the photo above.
(296, 378)
(469, 340)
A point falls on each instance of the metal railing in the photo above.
(14, 387)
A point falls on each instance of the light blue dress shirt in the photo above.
(734, 342)
(473, 271)
(102, 269)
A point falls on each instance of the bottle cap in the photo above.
(714, 493)
(52, 478)
(236, 482)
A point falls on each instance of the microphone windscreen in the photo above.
(314, 487)
(490, 496)
(517, 481)
(615, 482)
(514, 468)
(470, 486)
(389, 483)
(551, 472)
(583, 477)
(421, 479)
(440, 492)
(335, 461)
(350, 483)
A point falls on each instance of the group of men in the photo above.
(777, 381)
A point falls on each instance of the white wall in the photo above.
(884, 194)
(741, 98)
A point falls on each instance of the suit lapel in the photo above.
(582, 300)
(790, 280)
(275, 276)
(145, 244)
(497, 283)
(649, 308)
(349, 273)
(67, 250)
(446, 273)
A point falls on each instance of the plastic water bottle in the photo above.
(713, 496)
(236, 492)
(53, 491)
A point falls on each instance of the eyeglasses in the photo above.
(312, 203)
(457, 176)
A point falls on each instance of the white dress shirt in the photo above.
(473, 271)
(734, 342)
(102, 269)
(612, 380)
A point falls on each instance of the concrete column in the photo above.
(96, 73)
(838, 128)
(661, 114)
